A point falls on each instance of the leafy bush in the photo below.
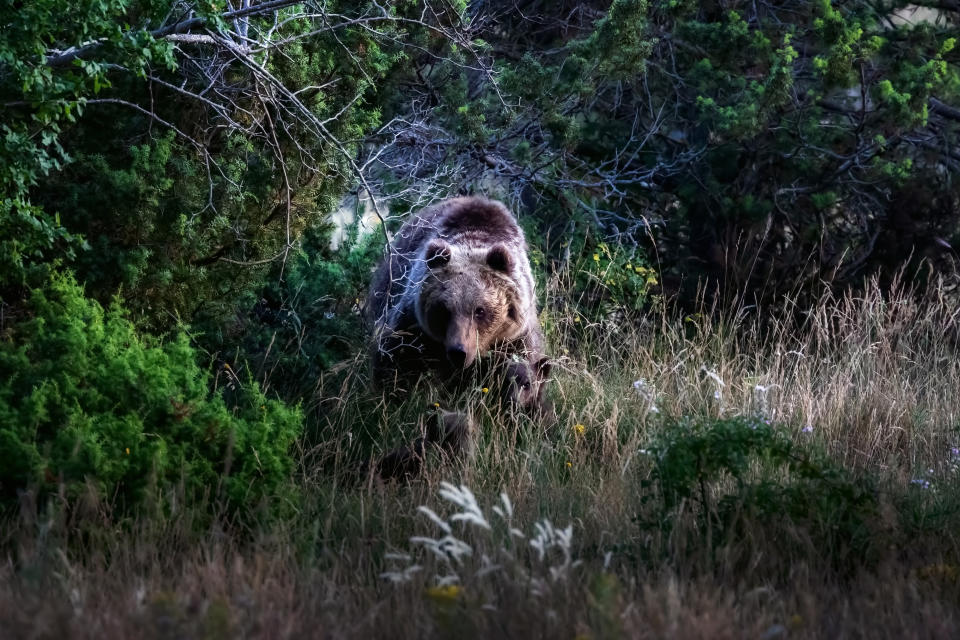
(116, 163)
(307, 319)
(611, 279)
(748, 478)
(86, 401)
(137, 205)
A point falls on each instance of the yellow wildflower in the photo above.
(944, 572)
(629, 266)
(579, 429)
(128, 450)
(596, 257)
(226, 366)
(445, 594)
(485, 390)
(569, 464)
(436, 404)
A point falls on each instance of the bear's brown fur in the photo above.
(524, 388)
(456, 284)
(448, 432)
(520, 386)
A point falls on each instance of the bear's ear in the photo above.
(543, 367)
(437, 253)
(499, 259)
(512, 312)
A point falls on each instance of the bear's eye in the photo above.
(479, 313)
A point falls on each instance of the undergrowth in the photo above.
(91, 409)
(711, 475)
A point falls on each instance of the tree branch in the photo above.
(71, 54)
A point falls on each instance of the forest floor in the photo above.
(711, 476)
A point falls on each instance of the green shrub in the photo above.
(604, 278)
(306, 321)
(86, 401)
(745, 478)
(611, 279)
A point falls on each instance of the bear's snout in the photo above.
(461, 343)
(457, 356)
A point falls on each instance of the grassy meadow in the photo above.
(710, 476)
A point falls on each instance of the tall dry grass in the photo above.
(873, 374)
(869, 378)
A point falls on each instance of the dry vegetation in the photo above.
(864, 384)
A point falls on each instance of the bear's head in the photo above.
(468, 300)
(525, 383)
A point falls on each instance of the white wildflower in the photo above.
(506, 513)
(447, 580)
(430, 513)
(404, 575)
(547, 560)
(487, 566)
(713, 375)
(464, 498)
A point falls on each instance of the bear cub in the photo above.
(525, 388)
(520, 386)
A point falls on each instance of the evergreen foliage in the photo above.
(764, 149)
(744, 472)
(87, 402)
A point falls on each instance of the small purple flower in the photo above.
(955, 452)
(923, 483)
(807, 429)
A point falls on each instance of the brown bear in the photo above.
(448, 432)
(520, 386)
(456, 283)
(524, 388)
